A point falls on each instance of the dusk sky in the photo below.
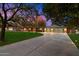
(39, 7)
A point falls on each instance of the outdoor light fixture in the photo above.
(52, 29)
(65, 29)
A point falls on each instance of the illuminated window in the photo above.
(10, 28)
(29, 28)
(45, 29)
(24, 29)
(40, 28)
(52, 29)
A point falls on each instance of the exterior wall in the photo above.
(53, 29)
(58, 30)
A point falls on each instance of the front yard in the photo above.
(75, 38)
(12, 37)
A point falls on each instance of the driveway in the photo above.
(50, 44)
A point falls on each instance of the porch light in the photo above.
(65, 29)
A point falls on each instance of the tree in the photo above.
(51, 9)
(59, 11)
(6, 8)
(54, 12)
(71, 10)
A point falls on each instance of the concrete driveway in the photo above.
(50, 44)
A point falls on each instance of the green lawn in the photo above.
(12, 37)
(75, 38)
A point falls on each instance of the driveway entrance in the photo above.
(50, 44)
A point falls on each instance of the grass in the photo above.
(75, 38)
(12, 37)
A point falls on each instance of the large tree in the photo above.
(7, 13)
(61, 10)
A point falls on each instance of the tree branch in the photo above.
(5, 13)
(1, 16)
(18, 8)
(13, 15)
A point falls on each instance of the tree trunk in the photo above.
(37, 29)
(31, 29)
(68, 30)
(2, 34)
(42, 29)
